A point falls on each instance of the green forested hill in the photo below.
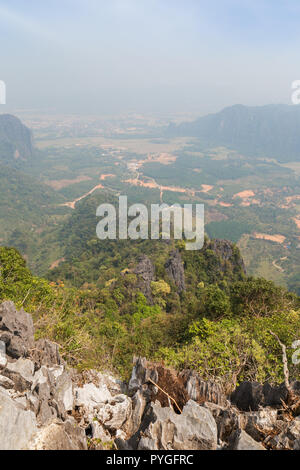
(25, 204)
(219, 326)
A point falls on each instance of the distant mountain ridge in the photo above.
(16, 142)
(271, 131)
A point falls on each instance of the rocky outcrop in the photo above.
(163, 429)
(60, 435)
(250, 396)
(286, 436)
(175, 270)
(44, 405)
(46, 353)
(146, 274)
(183, 386)
(16, 330)
(18, 425)
(228, 256)
(200, 390)
(242, 441)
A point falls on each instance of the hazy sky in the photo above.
(111, 56)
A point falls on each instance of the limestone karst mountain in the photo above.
(16, 144)
(266, 131)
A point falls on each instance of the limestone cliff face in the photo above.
(15, 141)
(218, 259)
(225, 250)
(146, 274)
(175, 270)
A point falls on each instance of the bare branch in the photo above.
(169, 397)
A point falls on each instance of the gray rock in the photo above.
(3, 357)
(89, 396)
(43, 375)
(297, 445)
(146, 274)
(114, 386)
(22, 401)
(20, 383)
(17, 426)
(242, 441)
(163, 429)
(32, 402)
(43, 389)
(97, 431)
(293, 431)
(116, 415)
(273, 396)
(248, 396)
(64, 391)
(60, 436)
(46, 353)
(260, 423)
(16, 330)
(24, 367)
(228, 420)
(57, 371)
(175, 270)
(202, 391)
(139, 404)
(6, 383)
(46, 413)
(142, 371)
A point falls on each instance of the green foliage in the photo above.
(216, 302)
(24, 202)
(220, 330)
(237, 349)
(18, 284)
(260, 297)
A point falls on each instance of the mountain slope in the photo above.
(24, 202)
(15, 141)
(270, 131)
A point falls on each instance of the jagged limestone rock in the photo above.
(16, 330)
(60, 436)
(24, 367)
(194, 429)
(175, 270)
(64, 391)
(89, 396)
(242, 441)
(17, 426)
(116, 415)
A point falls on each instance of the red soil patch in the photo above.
(105, 177)
(244, 194)
(206, 188)
(272, 238)
(292, 198)
(56, 263)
